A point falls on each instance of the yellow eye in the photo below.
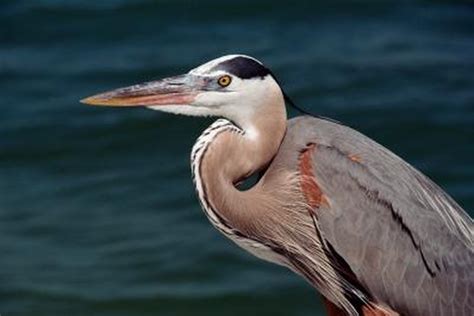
(224, 81)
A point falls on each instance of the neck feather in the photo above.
(225, 154)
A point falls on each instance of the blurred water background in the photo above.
(97, 210)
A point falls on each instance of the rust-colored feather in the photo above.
(309, 186)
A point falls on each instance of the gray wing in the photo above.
(407, 242)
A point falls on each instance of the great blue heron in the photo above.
(370, 232)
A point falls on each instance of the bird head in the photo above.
(233, 86)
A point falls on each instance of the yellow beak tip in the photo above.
(89, 101)
(94, 101)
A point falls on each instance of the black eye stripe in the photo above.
(243, 67)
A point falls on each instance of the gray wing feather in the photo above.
(406, 240)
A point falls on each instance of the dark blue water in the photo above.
(97, 211)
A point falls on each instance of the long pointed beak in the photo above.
(179, 90)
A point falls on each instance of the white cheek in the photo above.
(210, 99)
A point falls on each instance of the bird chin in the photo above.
(182, 109)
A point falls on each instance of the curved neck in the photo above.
(225, 154)
(238, 153)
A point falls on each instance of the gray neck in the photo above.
(226, 154)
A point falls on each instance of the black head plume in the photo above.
(244, 68)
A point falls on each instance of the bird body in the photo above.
(404, 241)
(370, 232)
(359, 237)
